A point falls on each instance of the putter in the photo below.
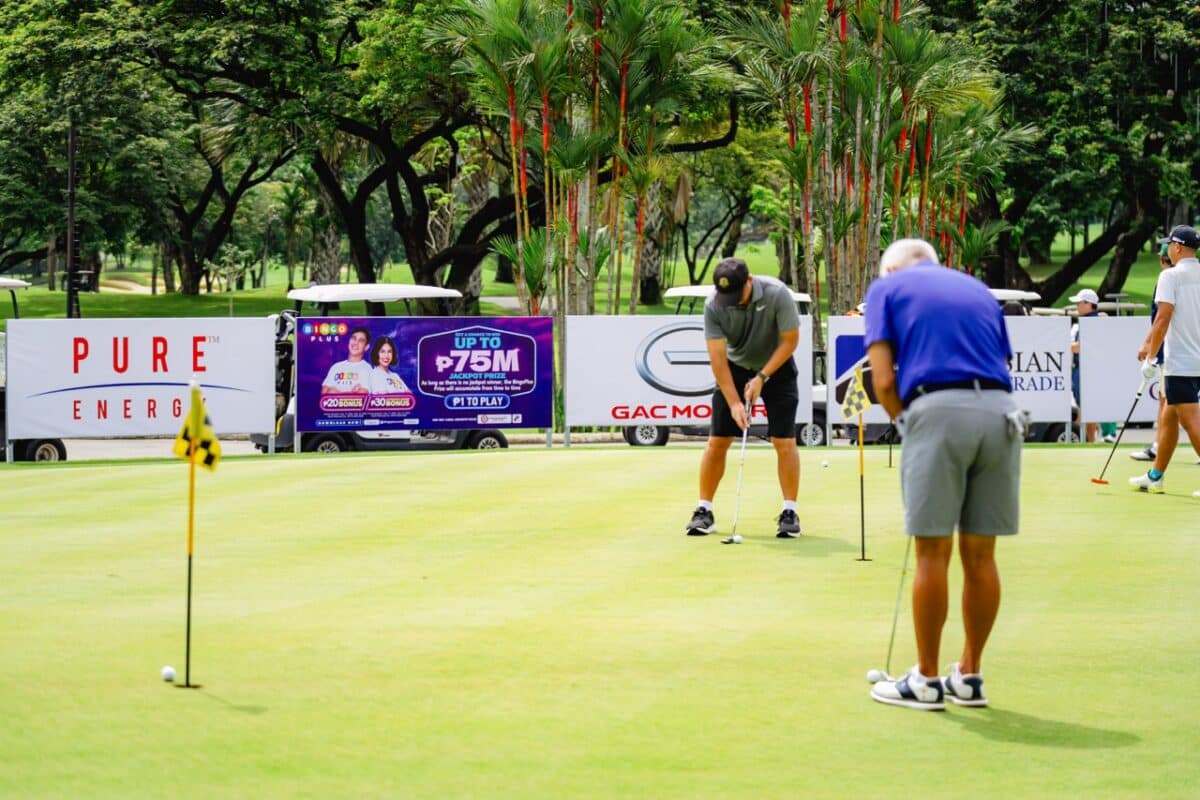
(887, 666)
(1141, 389)
(737, 503)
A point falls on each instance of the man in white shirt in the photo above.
(352, 376)
(1178, 325)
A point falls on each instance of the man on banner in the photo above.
(939, 349)
(197, 429)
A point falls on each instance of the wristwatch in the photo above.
(764, 377)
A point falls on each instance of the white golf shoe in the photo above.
(912, 690)
(1144, 483)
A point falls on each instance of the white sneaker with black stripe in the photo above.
(913, 690)
(964, 690)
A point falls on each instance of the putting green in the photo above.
(531, 623)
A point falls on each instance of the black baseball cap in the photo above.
(1186, 236)
(729, 277)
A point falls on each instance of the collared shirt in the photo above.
(1180, 286)
(943, 325)
(751, 332)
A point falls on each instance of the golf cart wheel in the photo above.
(812, 434)
(647, 435)
(487, 440)
(326, 443)
(45, 450)
(1060, 434)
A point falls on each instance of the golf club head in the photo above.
(1100, 481)
(730, 540)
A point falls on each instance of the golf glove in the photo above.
(1018, 423)
(1149, 370)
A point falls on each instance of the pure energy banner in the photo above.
(395, 373)
(654, 369)
(80, 378)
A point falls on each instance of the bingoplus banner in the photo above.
(401, 373)
(81, 378)
(653, 369)
(1041, 366)
(1109, 372)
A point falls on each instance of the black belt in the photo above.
(981, 384)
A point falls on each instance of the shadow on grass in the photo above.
(234, 707)
(1013, 726)
(807, 546)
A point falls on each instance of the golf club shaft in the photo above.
(737, 503)
(887, 667)
(1120, 433)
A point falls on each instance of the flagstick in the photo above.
(862, 505)
(187, 658)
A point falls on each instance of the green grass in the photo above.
(537, 626)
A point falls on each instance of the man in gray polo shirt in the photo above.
(751, 327)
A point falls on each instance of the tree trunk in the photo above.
(657, 233)
(51, 263)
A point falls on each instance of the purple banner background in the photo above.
(460, 372)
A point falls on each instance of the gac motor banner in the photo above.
(1041, 366)
(1109, 372)
(80, 378)
(394, 373)
(653, 369)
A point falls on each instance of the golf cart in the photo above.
(807, 433)
(326, 299)
(23, 449)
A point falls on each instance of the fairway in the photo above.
(534, 624)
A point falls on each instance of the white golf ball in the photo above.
(737, 538)
(168, 674)
(824, 465)
(875, 675)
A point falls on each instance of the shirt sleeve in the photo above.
(712, 327)
(1165, 293)
(878, 322)
(787, 317)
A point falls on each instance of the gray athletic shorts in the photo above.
(960, 464)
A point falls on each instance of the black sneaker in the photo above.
(702, 523)
(789, 525)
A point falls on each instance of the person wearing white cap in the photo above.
(1087, 304)
(1178, 325)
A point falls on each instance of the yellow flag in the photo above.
(857, 401)
(198, 428)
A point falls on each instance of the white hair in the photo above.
(904, 253)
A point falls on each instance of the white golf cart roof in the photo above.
(369, 292)
(1020, 295)
(704, 290)
(11, 285)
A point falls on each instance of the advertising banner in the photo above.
(846, 352)
(396, 373)
(1109, 372)
(1041, 366)
(80, 378)
(654, 369)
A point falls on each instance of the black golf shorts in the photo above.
(779, 395)
(1179, 389)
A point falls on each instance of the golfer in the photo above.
(1177, 323)
(751, 328)
(939, 351)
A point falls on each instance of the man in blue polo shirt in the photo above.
(939, 351)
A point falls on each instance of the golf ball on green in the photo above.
(168, 674)
(737, 538)
(824, 465)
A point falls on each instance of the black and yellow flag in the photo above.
(197, 429)
(857, 401)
